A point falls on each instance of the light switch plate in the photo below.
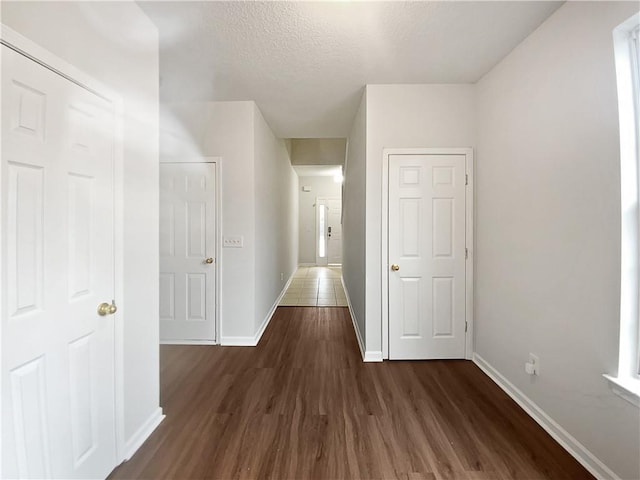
(233, 241)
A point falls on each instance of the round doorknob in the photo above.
(209, 260)
(395, 267)
(107, 309)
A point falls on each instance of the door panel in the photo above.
(187, 239)
(427, 243)
(57, 352)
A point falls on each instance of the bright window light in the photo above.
(626, 45)
(321, 229)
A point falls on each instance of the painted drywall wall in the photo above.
(548, 226)
(276, 218)
(405, 116)
(116, 44)
(353, 224)
(318, 151)
(223, 129)
(320, 187)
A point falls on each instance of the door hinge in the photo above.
(466, 253)
(466, 325)
(466, 179)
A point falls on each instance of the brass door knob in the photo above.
(395, 267)
(209, 260)
(107, 309)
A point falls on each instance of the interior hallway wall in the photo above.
(320, 187)
(353, 221)
(400, 116)
(276, 218)
(258, 191)
(117, 44)
(548, 226)
(225, 129)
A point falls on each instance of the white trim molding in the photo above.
(238, 341)
(587, 459)
(367, 356)
(373, 356)
(356, 329)
(627, 388)
(141, 435)
(188, 342)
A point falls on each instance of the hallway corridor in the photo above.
(303, 405)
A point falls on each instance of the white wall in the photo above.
(258, 202)
(320, 187)
(405, 116)
(223, 129)
(276, 218)
(548, 226)
(353, 222)
(117, 44)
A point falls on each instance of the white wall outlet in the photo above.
(532, 367)
(233, 241)
(281, 275)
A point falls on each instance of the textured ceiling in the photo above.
(306, 63)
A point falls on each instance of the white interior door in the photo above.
(58, 413)
(187, 251)
(334, 230)
(328, 230)
(426, 256)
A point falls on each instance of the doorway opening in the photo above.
(320, 214)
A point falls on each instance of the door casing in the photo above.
(40, 55)
(217, 162)
(469, 241)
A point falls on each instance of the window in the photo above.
(627, 48)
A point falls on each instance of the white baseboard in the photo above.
(372, 356)
(188, 342)
(560, 435)
(366, 356)
(353, 319)
(253, 341)
(238, 341)
(137, 439)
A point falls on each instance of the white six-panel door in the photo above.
(58, 415)
(187, 252)
(426, 256)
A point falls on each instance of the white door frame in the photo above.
(40, 55)
(217, 166)
(469, 242)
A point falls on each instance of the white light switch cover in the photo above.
(233, 241)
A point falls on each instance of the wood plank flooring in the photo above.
(302, 405)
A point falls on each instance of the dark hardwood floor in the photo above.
(303, 405)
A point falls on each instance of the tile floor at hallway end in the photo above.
(315, 286)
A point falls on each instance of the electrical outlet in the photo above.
(532, 367)
(281, 276)
(233, 241)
